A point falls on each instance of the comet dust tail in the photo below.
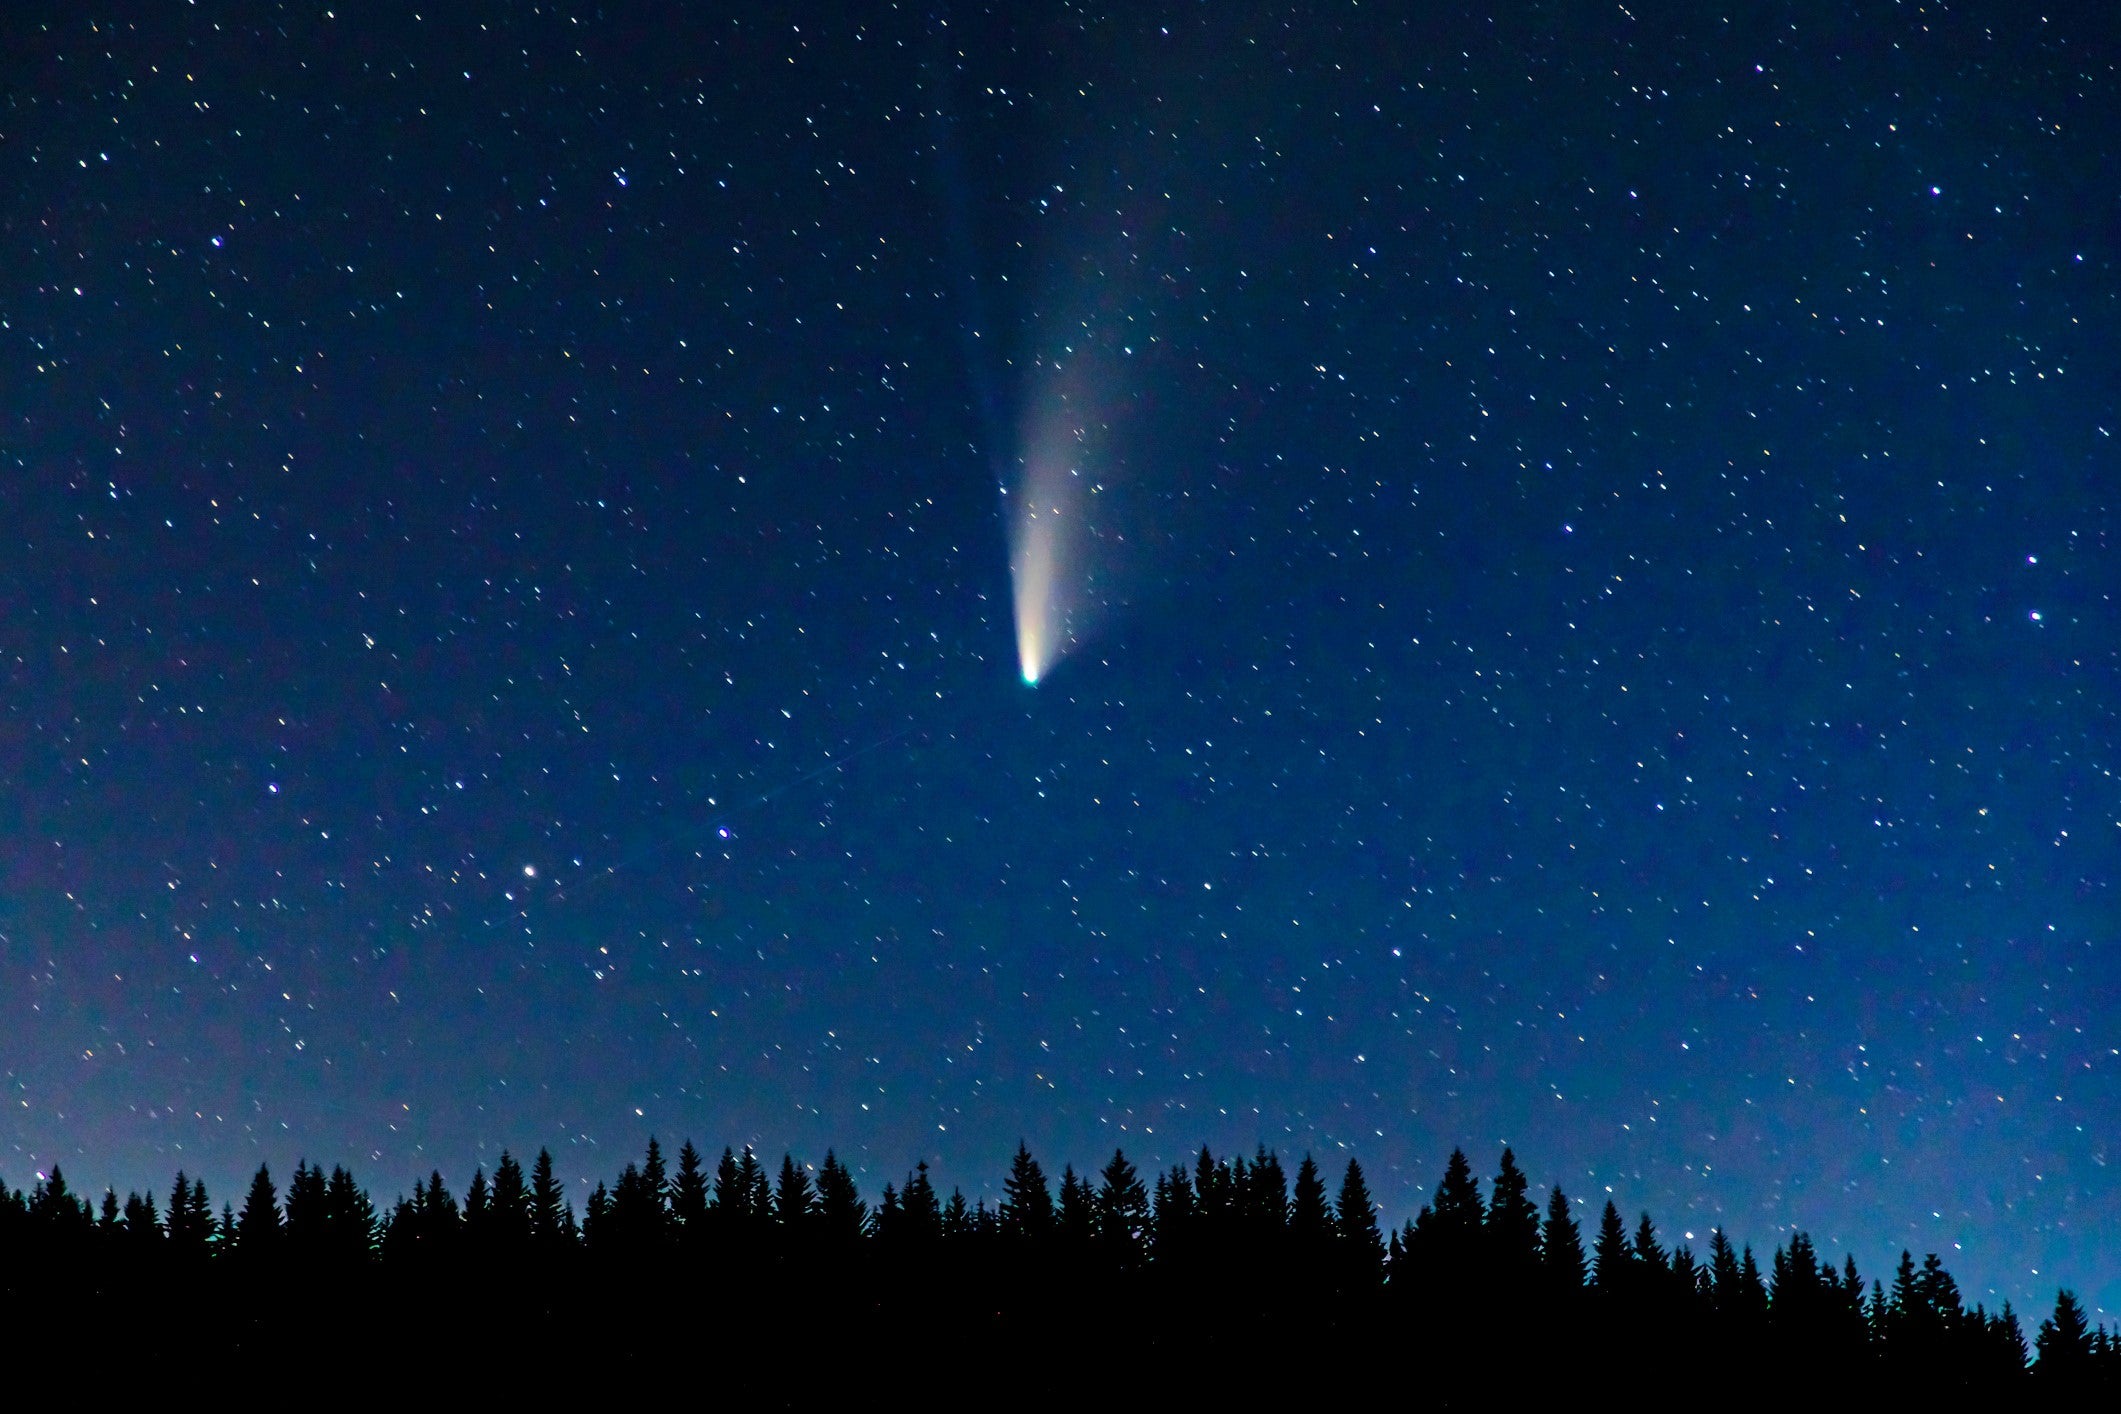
(1050, 558)
(1031, 569)
(1064, 542)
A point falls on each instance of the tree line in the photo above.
(1196, 1265)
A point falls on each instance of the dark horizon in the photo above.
(1187, 1268)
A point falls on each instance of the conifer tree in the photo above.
(257, 1231)
(957, 1217)
(1211, 1192)
(2010, 1341)
(1362, 1250)
(1610, 1254)
(1174, 1216)
(655, 1188)
(596, 1219)
(631, 1221)
(439, 1223)
(758, 1194)
(1752, 1302)
(511, 1207)
(923, 1212)
(1561, 1245)
(1901, 1308)
(1458, 1208)
(888, 1223)
(305, 1226)
(191, 1219)
(1310, 1221)
(1076, 1220)
(478, 1215)
(2064, 1343)
(732, 1195)
(1264, 1195)
(841, 1213)
(1122, 1213)
(551, 1219)
(1026, 1211)
(143, 1227)
(349, 1220)
(688, 1195)
(794, 1204)
(1512, 1221)
(1723, 1271)
(1646, 1250)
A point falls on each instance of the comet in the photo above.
(1069, 550)
(1031, 570)
(1048, 554)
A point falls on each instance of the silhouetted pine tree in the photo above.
(1076, 1219)
(1213, 1196)
(143, 1227)
(61, 1220)
(631, 1221)
(2064, 1344)
(1611, 1254)
(794, 1204)
(1561, 1246)
(478, 1217)
(842, 1215)
(758, 1193)
(349, 1220)
(1651, 1263)
(956, 1223)
(1723, 1273)
(511, 1209)
(596, 1219)
(1310, 1220)
(730, 1213)
(1173, 1219)
(689, 1198)
(1263, 1194)
(1361, 1249)
(552, 1224)
(655, 1189)
(1512, 1223)
(1026, 1211)
(922, 1214)
(2011, 1351)
(1122, 1214)
(257, 1231)
(187, 1227)
(304, 1231)
(887, 1223)
(1444, 1249)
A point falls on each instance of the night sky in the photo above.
(1592, 583)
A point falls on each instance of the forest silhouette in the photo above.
(1224, 1277)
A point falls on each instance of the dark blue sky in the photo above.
(1607, 633)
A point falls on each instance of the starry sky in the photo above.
(1594, 590)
